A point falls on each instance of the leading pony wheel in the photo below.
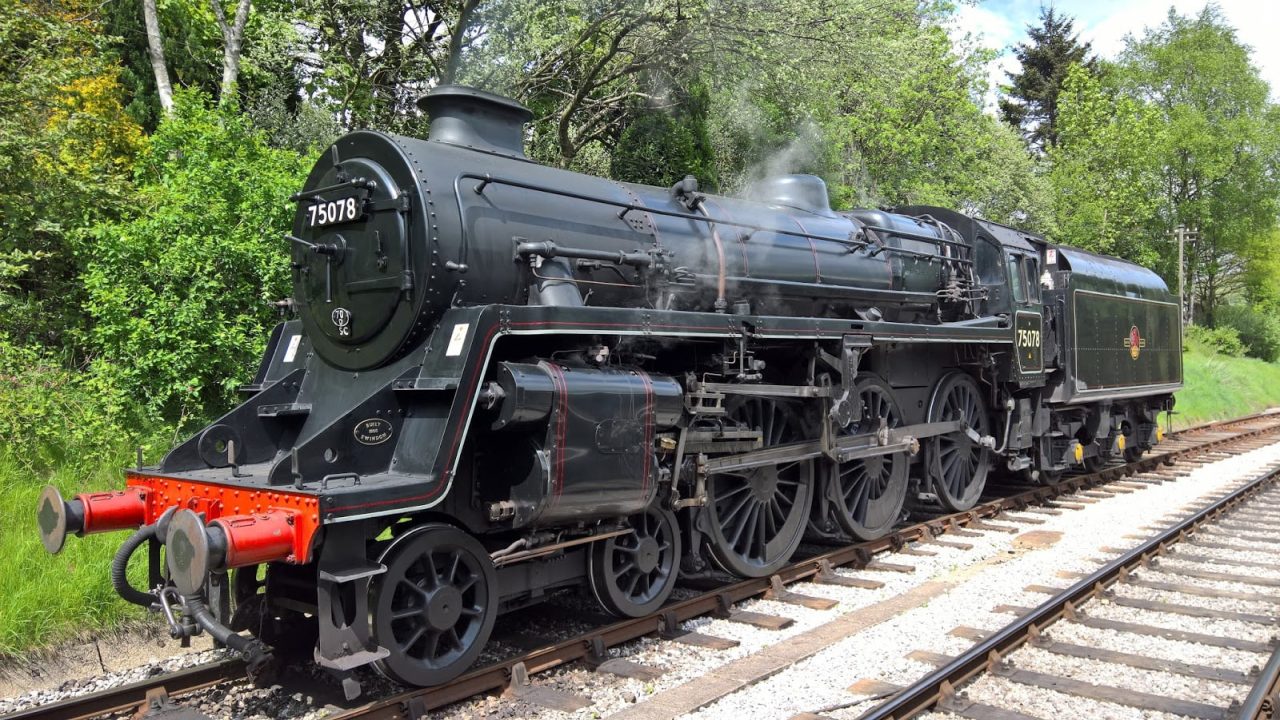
(434, 607)
(956, 465)
(632, 575)
(868, 493)
(756, 517)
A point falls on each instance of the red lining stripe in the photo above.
(562, 423)
(649, 422)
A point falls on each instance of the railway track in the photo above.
(1246, 509)
(1189, 447)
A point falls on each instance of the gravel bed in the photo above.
(1186, 623)
(1201, 601)
(71, 688)
(1156, 647)
(1242, 555)
(1158, 574)
(1048, 703)
(1129, 678)
(683, 663)
(879, 652)
(1174, 562)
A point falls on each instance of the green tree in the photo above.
(180, 291)
(1106, 175)
(66, 146)
(1030, 103)
(1220, 150)
(659, 146)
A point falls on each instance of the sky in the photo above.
(1001, 24)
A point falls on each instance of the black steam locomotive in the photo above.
(507, 379)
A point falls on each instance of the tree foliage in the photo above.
(180, 290)
(1031, 102)
(1105, 172)
(1219, 152)
(66, 148)
(146, 249)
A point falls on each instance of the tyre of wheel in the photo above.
(955, 465)
(867, 494)
(435, 606)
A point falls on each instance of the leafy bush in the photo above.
(53, 417)
(1220, 340)
(1259, 331)
(180, 290)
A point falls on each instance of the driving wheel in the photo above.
(756, 517)
(956, 465)
(867, 493)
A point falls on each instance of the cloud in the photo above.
(1105, 23)
(988, 28)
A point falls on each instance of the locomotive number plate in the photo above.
(335, 212)
(1028, 343)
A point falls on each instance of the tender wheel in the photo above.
(435, 605)
(1095, 463)
(956, 465)
(1132, 453)
(868, 493)
(756, 517)
(632, 575)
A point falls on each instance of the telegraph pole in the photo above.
(1183, 236)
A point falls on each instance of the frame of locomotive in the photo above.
(610, 429)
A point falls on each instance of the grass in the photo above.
(47, 600)
(1217, 387)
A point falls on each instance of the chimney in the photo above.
(465, 116)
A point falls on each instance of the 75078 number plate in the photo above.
(335, 212)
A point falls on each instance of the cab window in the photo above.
(1033, 279)
(1017, 280)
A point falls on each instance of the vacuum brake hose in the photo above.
(120, 568)
(251, 649)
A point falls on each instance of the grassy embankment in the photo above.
(1219, 387)
(47, 600)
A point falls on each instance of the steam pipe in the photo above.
(721, 302)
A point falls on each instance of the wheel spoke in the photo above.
(413, 637)
(453, 569)
(728, 518)
(626, 568)
(405, 613)
(741, 526)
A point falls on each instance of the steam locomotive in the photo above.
(506, 379)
